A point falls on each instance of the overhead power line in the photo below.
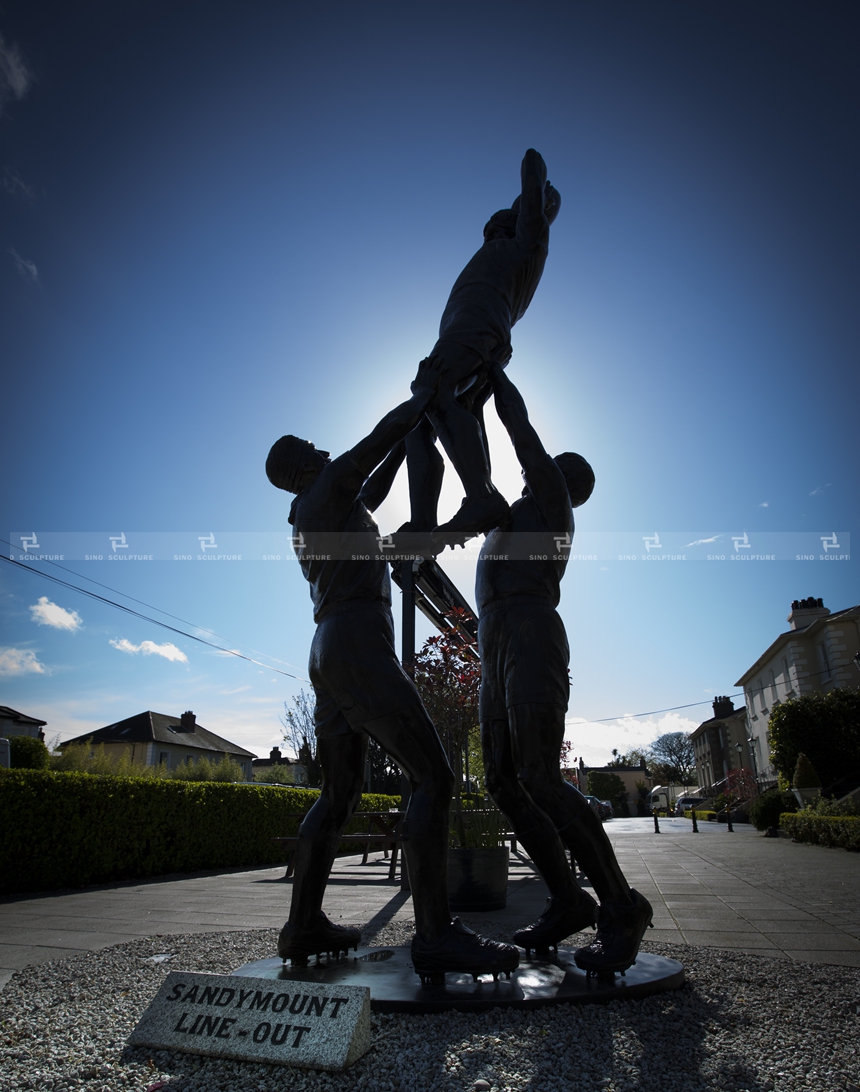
(146, 617)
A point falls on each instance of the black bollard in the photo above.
(729, 821)
(656, 823)
(695, 823)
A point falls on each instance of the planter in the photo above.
(806, 796)
(478, 879)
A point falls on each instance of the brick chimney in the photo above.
(187, 722)
(723, 707)
(275, 755)
(805, 611)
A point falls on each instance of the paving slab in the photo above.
(744, 892)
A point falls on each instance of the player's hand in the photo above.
(426, 382)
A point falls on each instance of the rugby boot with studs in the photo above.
(458, 949)
(621, 924)
(558, 921)
(323, 938)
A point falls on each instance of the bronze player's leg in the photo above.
(537, 731)
(532, 825)
(462, 437)
(411, 740)
(426, 468)
(342, 760)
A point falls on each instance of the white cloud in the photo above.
(25, 268)
(46, 613)
(701, 541)
(149, 648)
(819, 489)
(15, 77)
(13, 183)
(595, 741)
(20, 661)
(765, 504)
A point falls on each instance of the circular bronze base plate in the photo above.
(395, 987)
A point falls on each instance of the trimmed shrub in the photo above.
(823, 830)
(767, 810)
(72, 829)
(28, 753)
(805, 776)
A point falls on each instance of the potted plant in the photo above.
(805, 784)
(478, 858)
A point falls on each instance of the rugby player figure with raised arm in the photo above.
(524, 696)
(362, 692)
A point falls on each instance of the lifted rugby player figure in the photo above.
(523, 700)
(362, 691)
(490, 295)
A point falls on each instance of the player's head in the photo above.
(289, 459)
(501, 225)
(578, 475)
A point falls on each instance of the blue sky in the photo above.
(225, 222)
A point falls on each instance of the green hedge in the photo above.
(823, 830)
(72, 829)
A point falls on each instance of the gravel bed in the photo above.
(741, 1022)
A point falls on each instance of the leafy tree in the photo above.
(28, 753)
(299, 733)
(673, 758)
(448, 676)
(205, 769)
(83, 757)
(608, 786)
(275, 775)
(825, 727)
(383, 773)
(740, 784)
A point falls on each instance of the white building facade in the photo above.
(820, 651)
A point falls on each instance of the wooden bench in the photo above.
(383, 829)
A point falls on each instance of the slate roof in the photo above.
(150, 727)
(22, 718)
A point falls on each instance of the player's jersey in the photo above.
(491, 294)
(331, 505)
(525, 557)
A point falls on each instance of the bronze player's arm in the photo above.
(378, 485)
(394, 426)
(542, 473)
(537, 199)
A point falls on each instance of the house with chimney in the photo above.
(721, 744)
(819, 651)
(155, 739)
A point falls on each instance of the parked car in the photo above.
(600, 807)
(607, 805)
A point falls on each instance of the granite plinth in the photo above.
(394, 986)
(250, 1019)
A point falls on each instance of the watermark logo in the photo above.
(297, 541)
(207, 542)
(29, 542)
(118, 542)
(385, 542)
(652, 542)
(741, 542)
(829, 542)
(562, 542)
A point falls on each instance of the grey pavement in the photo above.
(737, 890)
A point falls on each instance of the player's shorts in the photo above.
(354, 669)
(524, 656)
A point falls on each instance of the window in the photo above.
(164, 759)
(825, 662)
